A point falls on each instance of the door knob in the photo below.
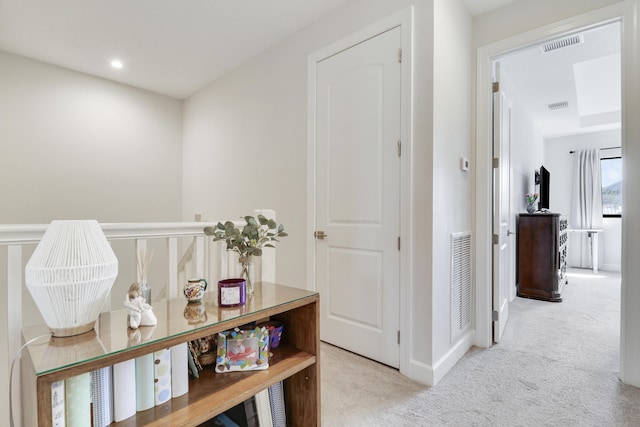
(509, 232)
(319, 235)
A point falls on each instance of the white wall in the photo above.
(74, 146)
(527, 147)
(451, 142)
(245, 146)
(81, 147)
(560, 164)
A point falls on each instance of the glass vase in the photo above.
(250, 272)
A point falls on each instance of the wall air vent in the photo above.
(558, 105)
(560, 43)
(461, 290)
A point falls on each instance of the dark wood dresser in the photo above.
(541, 256)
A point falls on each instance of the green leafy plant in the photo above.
(255, 235)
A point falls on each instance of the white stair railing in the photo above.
(201, 258)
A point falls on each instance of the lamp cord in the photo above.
(13, 362)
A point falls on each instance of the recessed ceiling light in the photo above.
(116, 63)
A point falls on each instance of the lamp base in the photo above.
(69, 332)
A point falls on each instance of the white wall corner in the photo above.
(453, 356)
(431, 375)
(418, 371)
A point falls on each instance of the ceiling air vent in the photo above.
(560, 43)
(558, 105)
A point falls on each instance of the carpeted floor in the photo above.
(557, 365)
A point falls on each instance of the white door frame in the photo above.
(403, 19)
(625, 11)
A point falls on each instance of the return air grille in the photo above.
(460, 283)
(558, 105)
(559, 44)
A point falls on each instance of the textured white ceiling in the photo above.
(177, 47)
(167, 46)
(171, 47)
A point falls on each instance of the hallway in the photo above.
(557, 365)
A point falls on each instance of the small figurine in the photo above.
(140, 313)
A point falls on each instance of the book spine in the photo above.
(102, 396)
(145, 397)
(179, 370)
(162, 378)
(263, 407)
(77, 400)
(57, 404)
(124, 388)
(276, 398)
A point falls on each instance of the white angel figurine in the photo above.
(140, 313)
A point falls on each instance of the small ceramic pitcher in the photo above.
(194, 289)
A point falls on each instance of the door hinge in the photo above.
(496, 239)
(400, 55)
(398, 337)
(495, 87)
(398, 242)
(399, 148)
(494, 316)
(496, 163)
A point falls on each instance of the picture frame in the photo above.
(243, 350)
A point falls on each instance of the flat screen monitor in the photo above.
(544, 178)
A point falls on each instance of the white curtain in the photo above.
(586, 204)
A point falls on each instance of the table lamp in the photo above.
(70, 275)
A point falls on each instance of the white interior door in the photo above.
(358, 197)
(501, 208)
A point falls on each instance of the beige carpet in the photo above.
(556, 366)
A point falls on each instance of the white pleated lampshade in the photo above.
(70, 275)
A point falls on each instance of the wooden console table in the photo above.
(295, 361)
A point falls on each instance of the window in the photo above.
(611, 170)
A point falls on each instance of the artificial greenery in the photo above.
(256, 234)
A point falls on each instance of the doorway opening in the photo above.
(564, 95)
(626, 14)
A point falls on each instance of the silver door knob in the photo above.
(319, 235)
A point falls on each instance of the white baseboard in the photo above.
(432, 374)
(453, 356)
(611, 267)
(418, 371)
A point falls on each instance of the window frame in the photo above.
(601, 187)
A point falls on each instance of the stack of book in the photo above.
(103, 396)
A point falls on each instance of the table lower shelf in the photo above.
(213, 393)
